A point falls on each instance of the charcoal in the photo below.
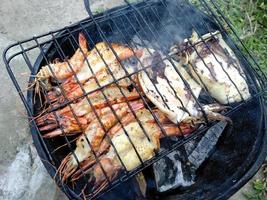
(168, 172)
(191, 145)
(206, 144)
(175, 170)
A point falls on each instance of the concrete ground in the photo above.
(21, 19)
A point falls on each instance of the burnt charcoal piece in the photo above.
(206, 144)
(170, 172)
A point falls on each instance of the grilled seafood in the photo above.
(172, 95)
(94, 133)
(95, 64)
(69, 125)
(113, 95)
(62, 70)
(72, 126)
(216, 66)
(103, 78)
(144, 145)
(144, 116)
(83, 108)
(108, 56)
(172, 85)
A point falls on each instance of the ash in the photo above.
(169, 174)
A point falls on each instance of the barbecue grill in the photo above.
(159, 24)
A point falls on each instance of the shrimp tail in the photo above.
(103, 173)
(85, 168)
(67, 167)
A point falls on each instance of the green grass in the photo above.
(259, 187)
(250, 21)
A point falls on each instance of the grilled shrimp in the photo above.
(103, 77)
(71, 126)
(62, 70)
(145, 147)
(113, 94)
(98, 100)
(108, 56)
(96, 63)
(94, 133)
(83, 107)
(144, 116)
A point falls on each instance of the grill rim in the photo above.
(252, 170)
(37, 138)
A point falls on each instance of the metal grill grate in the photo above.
(147, 21)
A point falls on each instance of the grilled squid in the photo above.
(168, 85)
(215, 65)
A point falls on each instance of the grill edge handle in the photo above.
(88, 8)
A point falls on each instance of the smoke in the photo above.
(167, 23)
